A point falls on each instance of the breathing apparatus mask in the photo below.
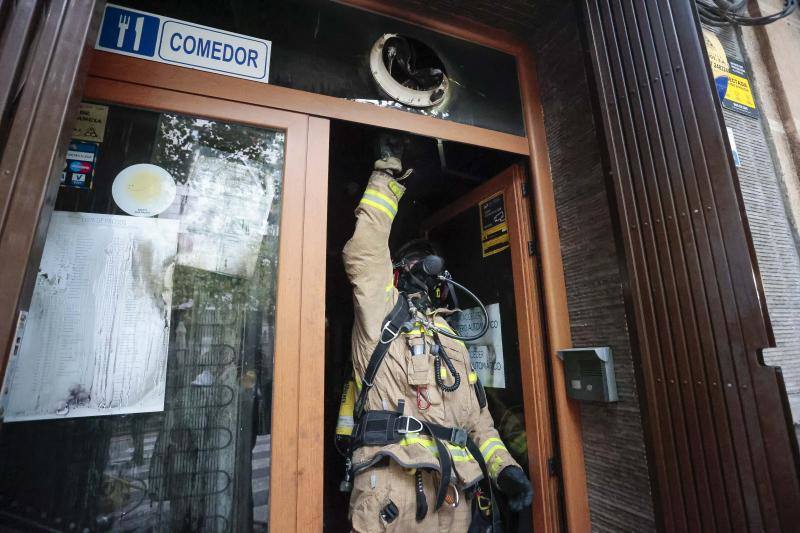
(420, 273)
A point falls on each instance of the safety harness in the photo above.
(379, 428)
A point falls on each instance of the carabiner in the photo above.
(452, 502)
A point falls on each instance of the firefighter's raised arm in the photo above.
(367, 259)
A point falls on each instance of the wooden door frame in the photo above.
(110, 72)
(535, 389)
(553, 285)
(298, 381)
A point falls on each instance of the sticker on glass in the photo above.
(91, 123)
(494, 226)
(486, 353)
(143, 190)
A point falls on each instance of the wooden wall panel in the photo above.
(717, 418)
(43, 51)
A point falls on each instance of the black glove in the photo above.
(390, 145)
(515, 485)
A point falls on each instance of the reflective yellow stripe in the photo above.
(344, 425)
(488, 441)
(381, 199)
(495, 466)
(378, 206)
(443, 373)
(490, 446)
(419, 329)
(491, 451)
(389, 289)
(459, 455)
(473, 378)
(385, 198)
(445, 326)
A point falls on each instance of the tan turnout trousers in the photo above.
(368, 264)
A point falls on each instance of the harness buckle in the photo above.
(458, 437)
(394, 334)
(408, 428)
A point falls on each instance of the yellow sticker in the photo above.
(91, 122)
(494, 226)
(739, 91)
(730, 78)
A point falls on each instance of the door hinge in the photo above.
(554, 466)
(526, 189)
(531, 248)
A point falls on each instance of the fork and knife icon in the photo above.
(124, 22)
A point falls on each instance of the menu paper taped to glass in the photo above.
(97, 330)
(486, 352)
(225, 213)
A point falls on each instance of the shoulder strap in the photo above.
(397, 321)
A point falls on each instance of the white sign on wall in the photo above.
(147, 36)
(486, 352)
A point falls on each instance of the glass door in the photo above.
(492, 258)
(139, 395)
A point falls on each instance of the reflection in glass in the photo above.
(201, 464)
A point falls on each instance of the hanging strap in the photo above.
(497, 524)
(379, 428)
(396, 322)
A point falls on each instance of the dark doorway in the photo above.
(443, 173)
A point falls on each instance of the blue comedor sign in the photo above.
(156, 38)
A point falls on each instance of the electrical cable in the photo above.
(726, 13)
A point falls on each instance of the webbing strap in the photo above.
(378, 428)
(446, 464)
(396, 321)
(497, 525)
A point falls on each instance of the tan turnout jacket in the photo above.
(369, 268)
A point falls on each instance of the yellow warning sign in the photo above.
(730, 77)
(739, 91)
(91, 123)
(494, 226)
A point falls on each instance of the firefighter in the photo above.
(422, 438)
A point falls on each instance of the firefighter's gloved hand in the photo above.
(515, 485)
(390, 145)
